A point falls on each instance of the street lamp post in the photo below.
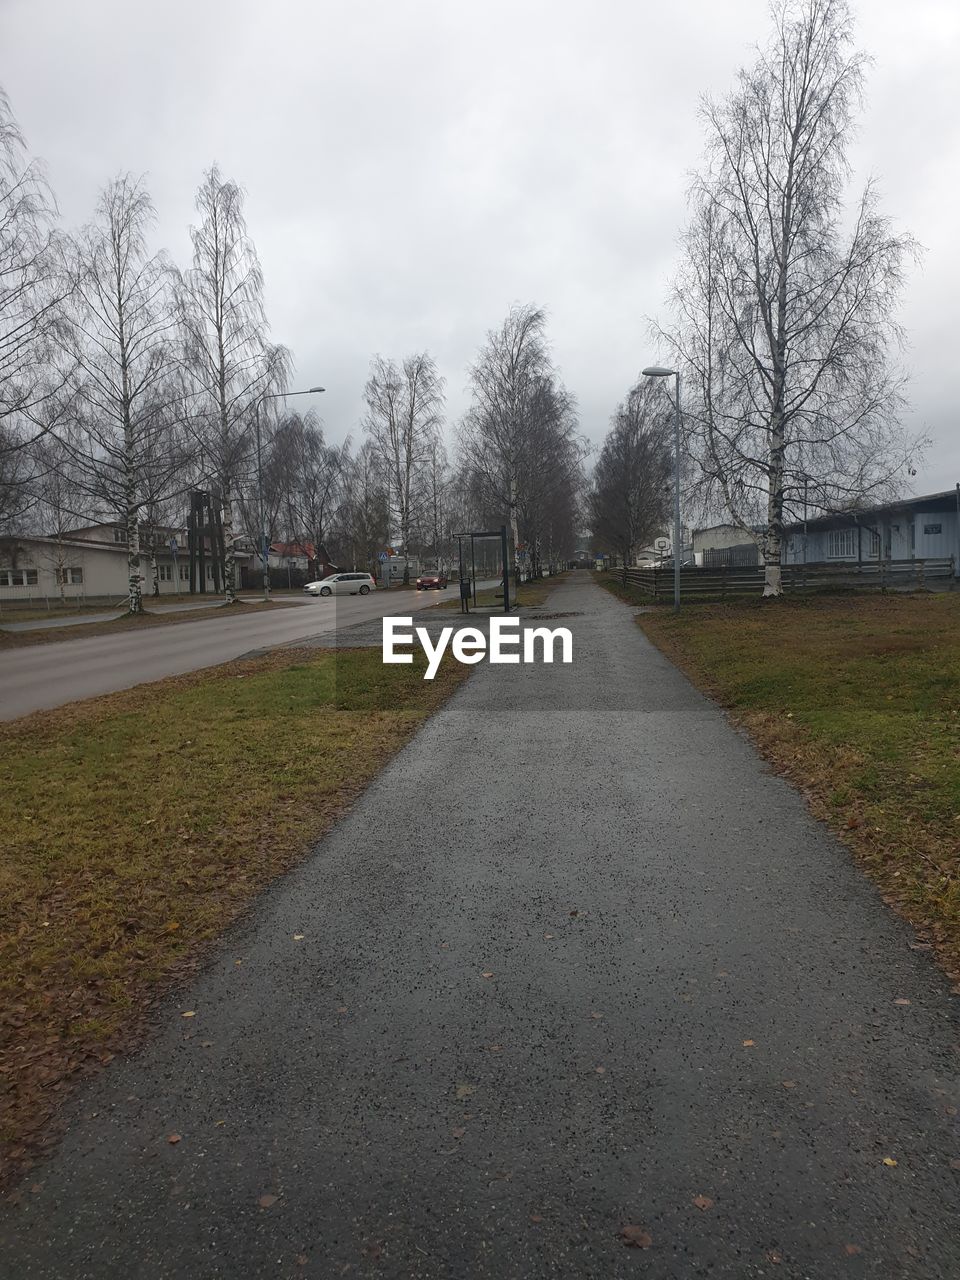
(657, 371)
(264, 548)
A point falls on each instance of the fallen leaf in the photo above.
(773, 1256)
(190, 1013)
(496, 1048)
(703, 1202)
(851, 1250)
(487, 973)
(206, 1044)
(341, 1008)
(536, 1217)
(600, 1070)
(548, 935)
(169, 927)
(789, 1084)
(901, 1001)
(748, 1044)
(889, 1162)
(635, 1237)
(465, 1090)
(722, 973)
(458, 1132)
(173, 1139)
(266, 1201)
(444, 946)
(301, 1259)
(596, 1015)
(955, 1164)
(574, 913)
(298, 937)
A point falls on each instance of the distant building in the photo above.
(90, 563)
(724, 545)
(922, 528)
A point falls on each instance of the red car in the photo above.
(432, 580)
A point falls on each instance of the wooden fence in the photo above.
(879, 575)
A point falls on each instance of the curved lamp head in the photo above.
(311, 390)
(658, 371)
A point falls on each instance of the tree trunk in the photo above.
(229, 556)
(773, 542)
(135, 596)
(514, 531)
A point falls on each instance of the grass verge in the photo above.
(132, 622)
(137, 826)
(857, 701)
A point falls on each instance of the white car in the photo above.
(342, 584)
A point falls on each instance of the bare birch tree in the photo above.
(121, 344)
(629, 499)
(518, 439)
(303, 479)
(364, 515)
(403, 418)
(32, 288)
(229, 363)
(785, 300)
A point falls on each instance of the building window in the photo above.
(120, 535)
(184, 573)
(841, 544)
(209, 572)
(933, 528)
(166, 572)
(874, 548)
(18, 577)
(70, 577)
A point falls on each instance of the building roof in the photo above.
(946, 500)
(294, 549)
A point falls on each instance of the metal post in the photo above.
(506, 575)
(806, 479)
(676, 503)
(264, 551)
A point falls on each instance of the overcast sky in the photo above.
(413, 167)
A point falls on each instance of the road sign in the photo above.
(383, 557)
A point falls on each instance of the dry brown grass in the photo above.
(857, 701)
(139, 825)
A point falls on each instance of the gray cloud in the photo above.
(414, 167)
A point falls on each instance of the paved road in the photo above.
(418, 1083)
(48, 675)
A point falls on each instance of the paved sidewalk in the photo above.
(515, 1022)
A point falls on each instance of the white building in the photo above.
(89, 564)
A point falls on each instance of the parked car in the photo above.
(342, 584)
(432, 580)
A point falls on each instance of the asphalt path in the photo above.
(40, 676)
(577, 961)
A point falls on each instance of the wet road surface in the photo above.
(40, 676)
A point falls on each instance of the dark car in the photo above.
(432, 580)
